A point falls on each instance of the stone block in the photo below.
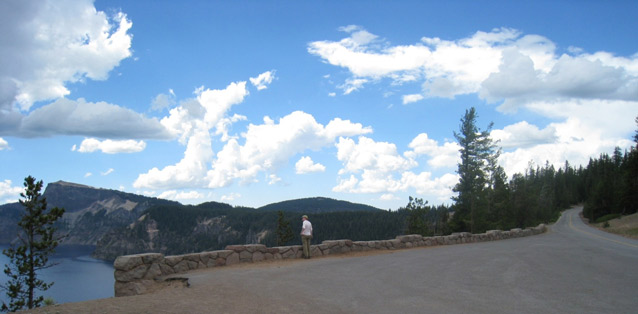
(245, 256)
(153, 272)
(211, 262)
(232, 259)
(181, 267)
(225, 253)
(258, 257)
(236, 248)
(166, 270)
(396, 244)
(131, 275)
(192, 257)
(205, 257)
(255, 248)
(192, 265)
(173, 260)
(150, 258)
(330, 243)
(127, 262)
(282, 249)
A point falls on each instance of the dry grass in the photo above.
(626, 226)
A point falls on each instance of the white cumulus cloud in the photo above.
(8, 192)
(90, 145)
(589, 99)
(263, 80)
(446, 155)
(502, 64)
(192, 122)
(181, 196)
(306, 165)
(377, 167)
(48, 44)
(523, 135)
(270, 145)
(412, 98)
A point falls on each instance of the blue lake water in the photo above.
(77, 277)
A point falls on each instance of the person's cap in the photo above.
(304, 216)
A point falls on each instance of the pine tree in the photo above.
(284, 230)
(416, 221)
(37, 242)
(478, 162)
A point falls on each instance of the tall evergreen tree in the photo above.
(284, 230)
(416, 218)
(37, 242)
(478, 156)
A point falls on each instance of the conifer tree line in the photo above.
(486, 200)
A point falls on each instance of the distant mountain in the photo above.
(316, 205)
(89, 212)
(120, 223)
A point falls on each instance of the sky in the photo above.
(255, 102)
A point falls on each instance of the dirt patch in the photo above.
(626, 226)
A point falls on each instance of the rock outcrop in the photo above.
(90, 212)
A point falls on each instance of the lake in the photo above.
(77, 277)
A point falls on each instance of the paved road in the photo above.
(570, 269)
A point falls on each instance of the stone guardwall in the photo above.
(142, 273)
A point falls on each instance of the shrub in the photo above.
(607, 218)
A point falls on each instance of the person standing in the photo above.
(306, 236)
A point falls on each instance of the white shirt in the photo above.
(306, 228)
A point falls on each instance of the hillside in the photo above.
(89, 212)
(120, 223)
(315, 205)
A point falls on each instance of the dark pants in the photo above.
(305, 240)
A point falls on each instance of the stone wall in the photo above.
(141, 273)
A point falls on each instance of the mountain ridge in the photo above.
(120, 223)
(321, 205)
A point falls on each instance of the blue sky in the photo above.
(254, 102)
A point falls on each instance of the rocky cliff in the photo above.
(180, 229)
(90, 213)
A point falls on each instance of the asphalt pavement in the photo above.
(572, 268)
